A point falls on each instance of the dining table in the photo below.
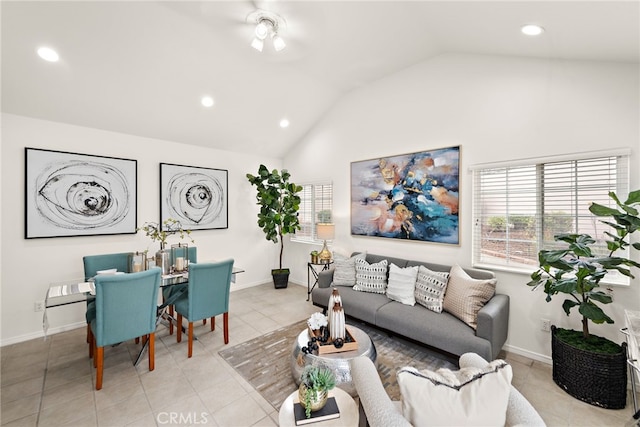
(75, 291)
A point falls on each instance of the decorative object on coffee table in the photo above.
(315, 383)
(337, 324)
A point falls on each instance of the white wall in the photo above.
(28, 266)
(495, 108)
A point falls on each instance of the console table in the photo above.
(313, 270)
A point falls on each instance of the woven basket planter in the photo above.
(595, 378)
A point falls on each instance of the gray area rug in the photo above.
(265, 361)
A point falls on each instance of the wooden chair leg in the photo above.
(179, 328)
(171, 313)
(190, 339)
(95, 350)
(152, 351)
(100, 367)
(90, 337)
(204, 321)
(144, 339)
(213, 323)
(88, 333)
(225, 320)
(138, 341)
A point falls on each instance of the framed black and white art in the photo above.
(197, 197)
(72, 194)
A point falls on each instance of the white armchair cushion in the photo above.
(469, 396)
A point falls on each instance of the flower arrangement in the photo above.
(315, 383)
(317, 320)
(160, 233)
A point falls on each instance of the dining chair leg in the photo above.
(95, 350)
(179, 328)
(204, 321)
(190, 339)
(99, 367)
(144, 340)
(90, 336)
(225, 320)
(171, 313)
(152, 351)
(138, 341)
(89, 333)
(213, 323)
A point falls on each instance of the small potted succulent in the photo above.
(314, 257)
(315, 383)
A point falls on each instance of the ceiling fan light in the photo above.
(278, 43)
(257, 44)
(262, 30)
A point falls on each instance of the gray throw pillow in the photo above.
(344, 273)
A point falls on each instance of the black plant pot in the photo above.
(280, 278)
(596, 378)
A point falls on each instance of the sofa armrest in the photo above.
(519, 411)
(493, 322)
(380, 410)
(325, 278)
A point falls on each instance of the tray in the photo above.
(328, 347)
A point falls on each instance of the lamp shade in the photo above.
(326, 231)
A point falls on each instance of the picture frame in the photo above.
(73, 194)
(412, 196)
(195, 196)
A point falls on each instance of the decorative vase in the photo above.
(333, 298)
(163, 260)
(317, 398)
(314, 259)
(336, 321)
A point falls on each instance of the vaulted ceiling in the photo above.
(141, 67)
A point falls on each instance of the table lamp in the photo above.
(325, 232)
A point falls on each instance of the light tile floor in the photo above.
(51, 383)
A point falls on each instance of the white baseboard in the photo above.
(40, 334)
(530, 354)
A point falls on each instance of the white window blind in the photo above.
(316, 206)
(518, 209)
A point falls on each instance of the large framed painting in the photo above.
(409, 196)
(197, 197)
(72, 194)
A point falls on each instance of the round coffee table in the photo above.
(346, 405)
(337, 362)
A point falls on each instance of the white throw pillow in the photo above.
(430, 288)
(371, 277)
(402, 283)
(465, 295)
(468, 397)
(344, 273)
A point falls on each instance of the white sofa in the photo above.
(378, 410)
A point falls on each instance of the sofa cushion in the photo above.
(465, 296)
(371, 277)
(430, 288)
(344, 273)
(402, 284)
(469, 396)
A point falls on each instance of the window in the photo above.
(519, 207)
(316, 205)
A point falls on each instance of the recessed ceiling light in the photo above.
(48, 54)
(532, 30)
(284, 123)
(207, 101)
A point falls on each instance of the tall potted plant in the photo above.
(279, 205)
(588, 367)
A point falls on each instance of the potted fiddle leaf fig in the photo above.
(279, 204)
(588, 367)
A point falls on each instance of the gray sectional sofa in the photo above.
(439, 330)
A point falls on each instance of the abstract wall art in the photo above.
(71, 194)
(409, 196)
(195, 196)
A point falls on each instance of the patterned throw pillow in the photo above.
(470, 396)
(344, 273)
(430, 288)
(371, 277)
(466, 296)
(402, 283)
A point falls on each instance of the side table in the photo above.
(348, 411)
(311, 270)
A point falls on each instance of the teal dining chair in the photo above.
(126, 308)
(169, 291)
(207, 296)
(94, 263)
